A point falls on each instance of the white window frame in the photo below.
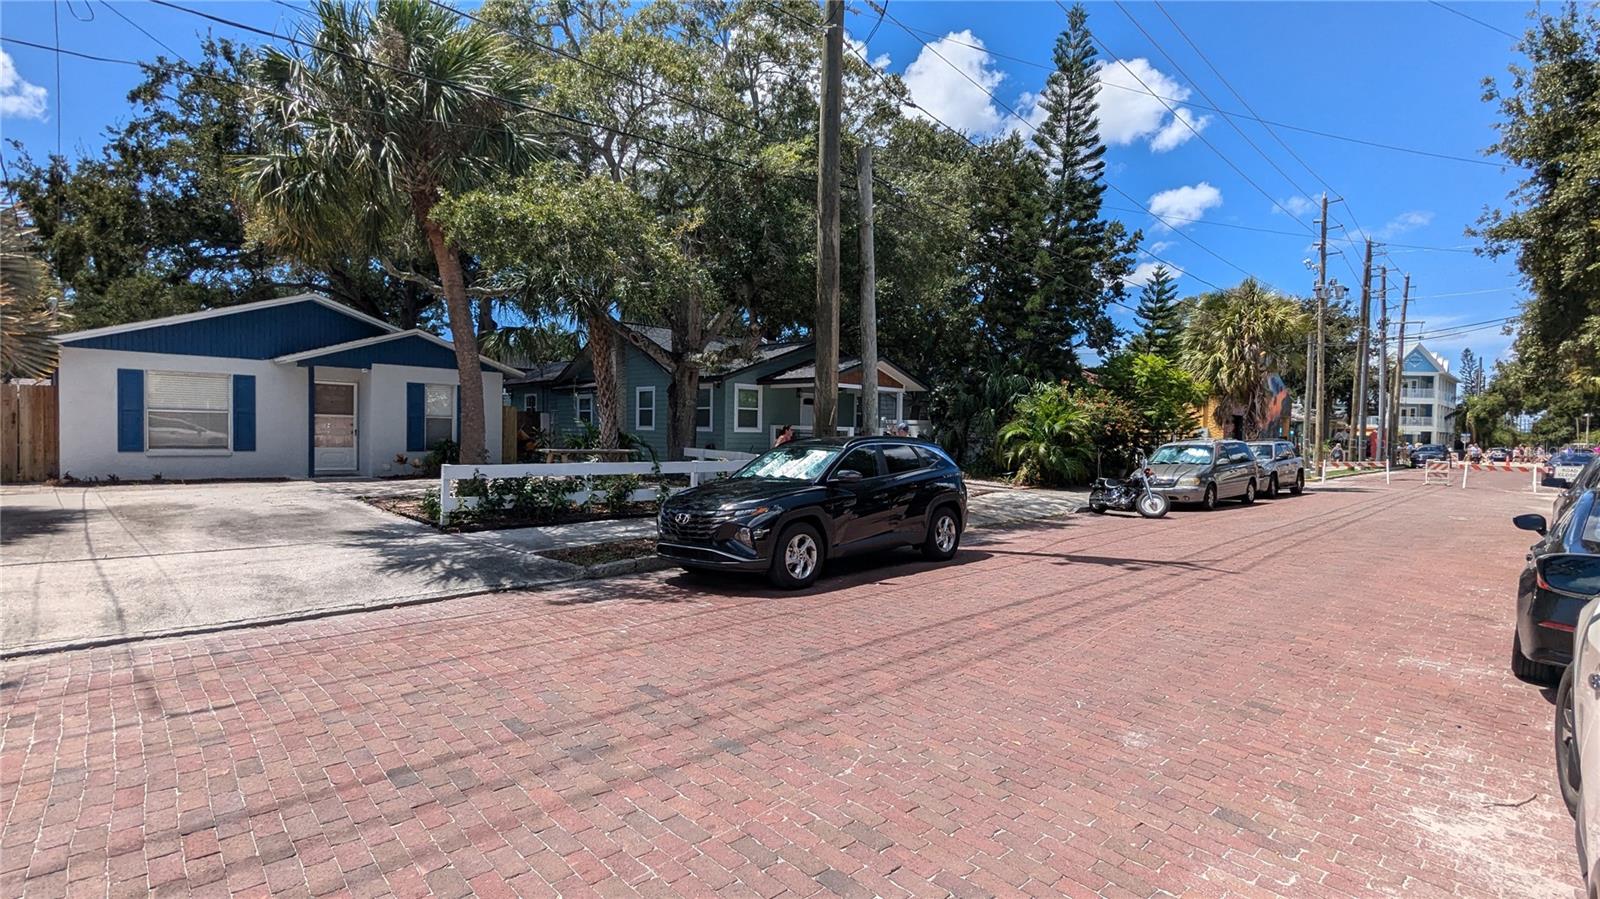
(450, 391)
(760, 412)
(577, 408)
(711, 410)
(638, 408)
(528, 401)
(186, 451)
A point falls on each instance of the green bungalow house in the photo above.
(742, 406)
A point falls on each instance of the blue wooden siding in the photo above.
(414, 350)
(248, 334)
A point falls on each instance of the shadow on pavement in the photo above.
(24, 523)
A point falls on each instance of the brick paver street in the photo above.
(1308, 698)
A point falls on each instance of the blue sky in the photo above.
(1405, 74)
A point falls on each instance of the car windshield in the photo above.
(790, 463)
(1178, 454)
(1262, 451)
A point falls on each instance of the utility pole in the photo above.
(1322, 330)
(825, 331)
(1399, 361)
(869, 295)
(1358, 390)
(1311, 378)
(1383, 363)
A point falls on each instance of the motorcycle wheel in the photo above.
(1154, 505)
(1097, 508)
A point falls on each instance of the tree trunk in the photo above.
(459, 307)
(683, 401)
(603, 358)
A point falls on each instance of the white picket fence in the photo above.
(696, 470)
(696, 452)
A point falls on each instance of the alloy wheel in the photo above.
(944, 533)
(800, 556)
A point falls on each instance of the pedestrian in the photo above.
(785, 435)
(1338, 452)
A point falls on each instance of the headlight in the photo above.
(1189, 481)
(742, 536)
(737, 511)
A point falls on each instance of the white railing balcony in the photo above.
(1416, 421)
(1425, 394)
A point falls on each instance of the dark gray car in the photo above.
(1205, 472)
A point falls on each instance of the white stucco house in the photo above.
(1427, 398)
(296, 387)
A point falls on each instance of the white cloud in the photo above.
(859, 48)
(1159, 246)
(1173, 207)
(1029, 107)
(946, 94)
(1142, 273)
(1405, 221)
(18, 97)
(1129, 112)
(1296, 205)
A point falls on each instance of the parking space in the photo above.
(1308, 697)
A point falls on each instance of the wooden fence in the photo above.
(29, 446)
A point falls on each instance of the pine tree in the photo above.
(1160, 318)
(1470, 375)
(1084, 259)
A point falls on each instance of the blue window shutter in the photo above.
(244, 413)
(414, 411)
(130, 410)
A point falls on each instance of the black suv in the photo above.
(796, 506)
(1547, 615)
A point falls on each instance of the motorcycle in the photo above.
(1130, 494)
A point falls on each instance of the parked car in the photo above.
(1431, 452)
(1499, 454)
(795, 507)
(1577, 712)
(1587, 478)
(1283, 466)
(1546, 616)
(1564, 467)
(1206, 471)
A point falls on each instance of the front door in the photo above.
(333, 436)
(808, 410)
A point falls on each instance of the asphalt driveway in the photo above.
(81, 564)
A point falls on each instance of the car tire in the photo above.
(1272, 485)
(1299, 483)
(790, 570)
(1527, 669)
(1209, 500)
(1249, 496)
(944, 535)
(1569, 775)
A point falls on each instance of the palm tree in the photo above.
(1233, 341)
(28, 295)
(375, 117)
(1047, 442)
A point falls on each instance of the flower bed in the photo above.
(490, 504)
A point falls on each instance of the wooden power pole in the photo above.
(1384, 448)
(1358, 390)
(825, 331)
(869, 296)
(1399, 363)
(1319, 436)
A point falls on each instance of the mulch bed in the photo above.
(411, 507)
(601, 553)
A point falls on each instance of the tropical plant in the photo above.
(1233, 342)
(1047, 442)
(1165, 396)
(28, 303)
(363, 130)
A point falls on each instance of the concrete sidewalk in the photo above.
(84, 565)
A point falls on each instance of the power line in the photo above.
(1495, 28)
(141, 29)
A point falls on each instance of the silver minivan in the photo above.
(1205, 471)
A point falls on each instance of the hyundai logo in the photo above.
(681, 518)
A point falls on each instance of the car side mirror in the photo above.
(1531, 522)
(846, 476)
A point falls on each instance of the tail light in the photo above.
(1149, 472)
